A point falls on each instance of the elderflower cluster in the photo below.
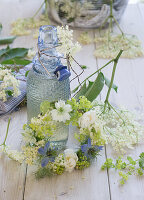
(109, 46)
(13, 154)
(84, 38)
(24, 26)
(68, 46)
(31, 53)
(8, 83)
(120, 128)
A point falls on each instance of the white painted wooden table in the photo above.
(17, 182)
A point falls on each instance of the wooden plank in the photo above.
(88, 184)
(12, 173)
(130, 94)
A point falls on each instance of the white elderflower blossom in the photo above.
(120, 128)
(13, 154)
(8, 82)
(31, 53)
(66, 39)
(61, 113)
(70, 160)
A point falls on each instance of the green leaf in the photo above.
(3, 51)
(141, 161)
(89, 85)
(95, 88)
(0, 27)
(9, 92)
(83, 66)
(7, 40)
(14, 53)
(44, 107)
(26, 74)
(131, 161)
(81, 92)
(16, 61)
(73, 91)
(107, 82)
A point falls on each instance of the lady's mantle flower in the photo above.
(90, 150)
(48, 153)
(61, 113)
(70, 160)
(88, 119)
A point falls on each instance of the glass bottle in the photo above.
(43, 84)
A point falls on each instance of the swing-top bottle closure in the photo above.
(47, 60)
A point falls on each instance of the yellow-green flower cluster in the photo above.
(58, 165)
(43, 126)
(78, 108)
(31, 152)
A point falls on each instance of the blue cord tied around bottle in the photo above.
(62, 73)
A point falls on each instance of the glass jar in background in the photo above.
(43, 84)
(84, 14)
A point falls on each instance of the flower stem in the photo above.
(112, 60)
(111, 18)
(4, 143)
(112, 77)
(38, 9)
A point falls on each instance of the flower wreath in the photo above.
(94, 130)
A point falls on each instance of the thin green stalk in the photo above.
(111, 15)
(38, 9)
(116, 112)
(112, 60)
(4, 143)
(112, 78)
(46, 7)
(118, 25)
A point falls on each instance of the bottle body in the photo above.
(42, 86)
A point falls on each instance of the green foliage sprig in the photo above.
(126, 167)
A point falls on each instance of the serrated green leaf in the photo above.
(82, 91)
(7, 40)
(16, 61)
(96, 88)
(44, 107)
(14, 53)
(107, 82)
